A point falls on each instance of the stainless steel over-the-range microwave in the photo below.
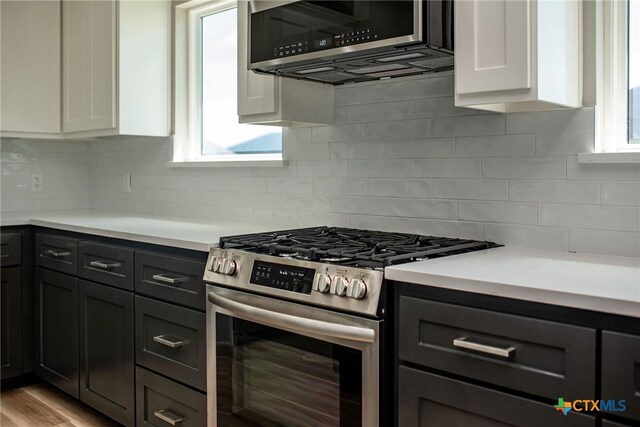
(348, 41)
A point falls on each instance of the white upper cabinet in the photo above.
(517, 55)
(116, 62)
(270, 100)
(30, 69)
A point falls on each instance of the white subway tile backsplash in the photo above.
(564, 143)
(393, 187)
(495, 146)
(293, 185)
(351, 132)
(589, 216)
(445, 168)
(530, 236)
(502, 212)
(342, 186)
(623, 193)
(399, 157)
(377, 112)
(605, 242)
(320, 168)
(476, 189)
(403, 149)
(379, 168)
(524, 167)
(557, 191)
(551, 121)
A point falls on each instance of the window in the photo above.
(619, 82)
(634, 71)
(207, 127)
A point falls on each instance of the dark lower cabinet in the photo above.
(57, 330)
(107, 350)
(431, 400)
(162, 402)
(10, 322)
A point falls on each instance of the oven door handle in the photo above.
(290, 322)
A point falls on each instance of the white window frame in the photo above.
(187, 142)
(612, 94)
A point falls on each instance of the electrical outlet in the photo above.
(36, 183)
(126, 183)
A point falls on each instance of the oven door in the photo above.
(277, 363)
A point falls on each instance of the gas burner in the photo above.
(349, 246)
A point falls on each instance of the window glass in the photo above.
(634, 71)
(221, 132)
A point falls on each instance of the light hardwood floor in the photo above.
(41, 405)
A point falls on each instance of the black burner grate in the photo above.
(353, 247)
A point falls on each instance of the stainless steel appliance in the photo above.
(296, 329)
(348, 41)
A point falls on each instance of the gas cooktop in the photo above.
(351, 247)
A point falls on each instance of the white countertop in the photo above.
(175, 232)
(592, 282)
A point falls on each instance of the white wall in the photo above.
(402, 157)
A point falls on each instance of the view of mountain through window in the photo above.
(221, 133)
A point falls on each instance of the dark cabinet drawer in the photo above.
(535, 356)
(106, 264)
(10, 249)
(161, 402)
(171, 340)
(431, 400)
(172, 279)
(621, 371)
(57, 253)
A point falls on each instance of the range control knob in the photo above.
(322, 283)
(228, 267)
(356, 289)
(339, 286)
(217, 263)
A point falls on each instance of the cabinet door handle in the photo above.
(170, 340)
(167, 279)
(57, 254)
(170, 417)
(463, 342)
(105, 265)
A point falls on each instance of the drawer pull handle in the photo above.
(57, 254)
(170, 340)
(167, 279)
(462, 342)
(105, 265)
(169, 416)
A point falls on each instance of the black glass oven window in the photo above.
(282, 276)
(270, 377)
(307, 26)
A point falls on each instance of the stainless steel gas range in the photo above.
(296, 330)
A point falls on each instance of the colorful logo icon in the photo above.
(563, 406)
(590, 406)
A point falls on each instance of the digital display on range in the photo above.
(285, 277)
(322, 43)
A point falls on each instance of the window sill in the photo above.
(267, 163)
(631, 157)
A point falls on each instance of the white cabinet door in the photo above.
(89, 65)
(518, 55)
(30, 68)
(256, 93)
(493, 45)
